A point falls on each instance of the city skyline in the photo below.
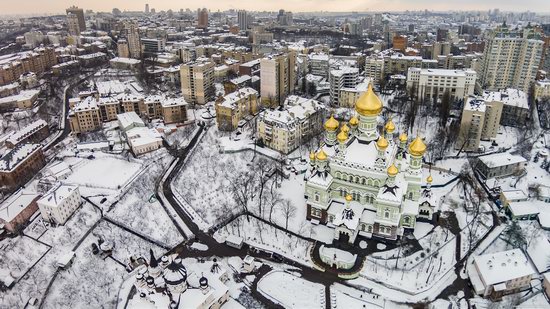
(39, 7)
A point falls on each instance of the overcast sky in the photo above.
(8, 7)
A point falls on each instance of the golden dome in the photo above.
(349, 198)
(390, 127)
(403, 138)
(312, 156)
(392, 170)
(342, 136)
(382, 143)
(331, 124)
(345, 128)
(429, 179)
(417, 147)
(369, 103)
(353, 121)
(321, 155)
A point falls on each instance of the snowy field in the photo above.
(104, 172)
(345, 297)
(291, 292)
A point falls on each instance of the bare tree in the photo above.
(289, 210)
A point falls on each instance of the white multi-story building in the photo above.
(344, 77)
(480, 121)
(511, 59)
(59, 203)
(431, 82)
(497, 274)
(319, 64)
(285, 130)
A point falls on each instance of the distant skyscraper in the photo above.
(202, 18)
(132, 37)
(80, 16)
(146, 8)
(72, 23)
(243, 20)
(511, 59)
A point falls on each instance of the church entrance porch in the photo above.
(343, 237)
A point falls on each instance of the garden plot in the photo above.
(417, 272)
(19, 254)
(124, 244)
(90, 281)
(107, 172)
(290, 291)
(139, 209)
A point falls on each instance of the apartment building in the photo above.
(234, 107)
(37, 61)
(79, 14)
(59, 203)
(19, 165)
(133, 39)
(319, 64)
(72, 23)
(511, 59)
(277, 78)
(349, 96)
(123, 49)
(197, 82)
(345, 77)
(85, 116)
(435, 82)
(515, 105)
(285, 130)
(480, 121)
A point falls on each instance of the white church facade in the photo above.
(362, 182)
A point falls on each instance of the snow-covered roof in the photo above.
(57, 195)
(125, 60)
(22, 96)
(232, 98)
(495, 268)
(15, 204)
(299, 109)
(443, 72)
(17, 155)
(523, 208)
(168, 102)
(501, 159)
(514, 195)
(128, 119)
(140, 136)
(539, 252)
(18, 136)
(347, 214)
(509, 96)
(475, 104)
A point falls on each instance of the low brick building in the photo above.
(17, 210)
(19, 165)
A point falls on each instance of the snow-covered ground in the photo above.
(290, 291)
(268, 238)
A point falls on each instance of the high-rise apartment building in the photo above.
(344, 77)
(511, 59)
(197, 82)
(243, 20)
(79, 15)
(277, 78)
(72, 24)
(202, 18)
(122, 47)
(480, 121)
(146, 8)
(132, 36)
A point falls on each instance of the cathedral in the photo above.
(365, 182)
